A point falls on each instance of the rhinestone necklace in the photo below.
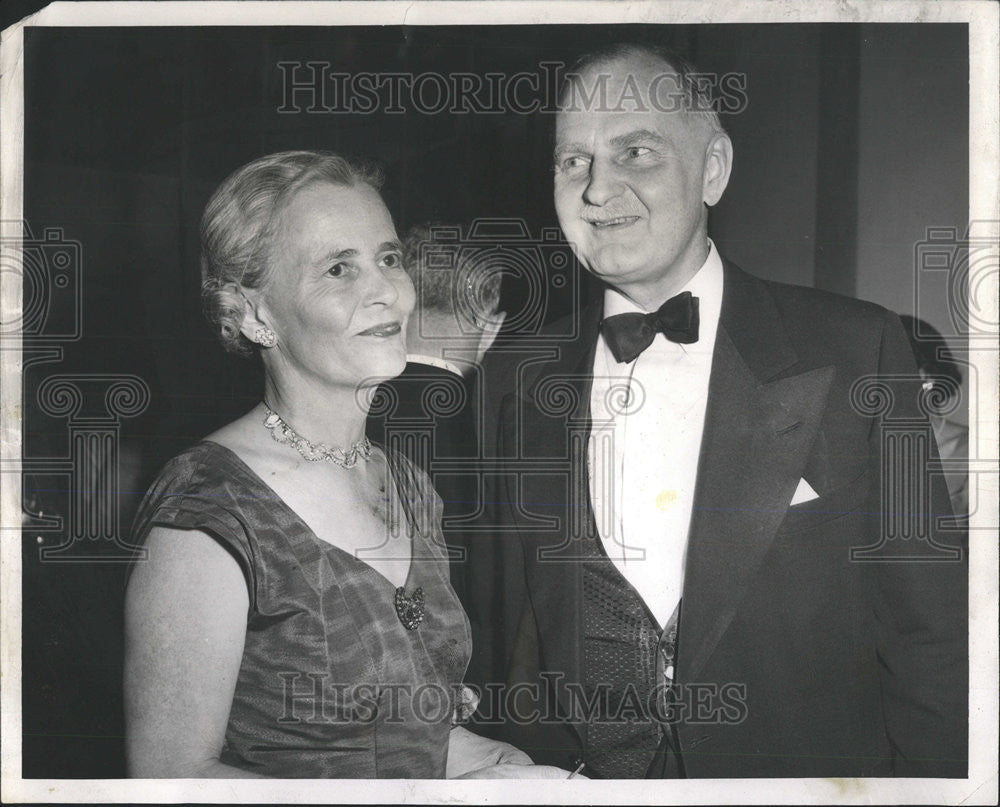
(410, 609)
(314, 452)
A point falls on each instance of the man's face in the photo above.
(630, 184)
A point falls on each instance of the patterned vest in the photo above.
(621, 645)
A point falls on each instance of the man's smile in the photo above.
(618, 221)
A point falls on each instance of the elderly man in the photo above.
(698, 570)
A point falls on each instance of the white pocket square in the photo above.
(804, 493)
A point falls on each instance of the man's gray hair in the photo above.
(698, 98)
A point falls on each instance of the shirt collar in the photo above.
(434, 361)
(705, 284)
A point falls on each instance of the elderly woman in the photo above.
(294, 616)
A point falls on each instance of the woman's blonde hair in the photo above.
(240, 221)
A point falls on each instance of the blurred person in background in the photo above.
(942, 378)
(428, 412)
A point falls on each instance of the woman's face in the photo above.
(337, 297)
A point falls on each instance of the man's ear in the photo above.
(718, 165)
(489, 334)
(253, 315)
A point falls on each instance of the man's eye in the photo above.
(572, 163)
(337, 270)
(634, 152)
(393, 260)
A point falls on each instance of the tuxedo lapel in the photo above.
(556, 512)
(760, 423)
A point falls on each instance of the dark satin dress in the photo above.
(331, 683)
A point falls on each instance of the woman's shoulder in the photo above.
(201, 489)
(217, 459)
(204, 463)
(205, 486)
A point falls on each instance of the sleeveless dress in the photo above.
(331, 683)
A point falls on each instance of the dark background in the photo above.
(855, 140)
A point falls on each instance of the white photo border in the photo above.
(984, 45)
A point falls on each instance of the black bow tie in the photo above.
(629, 334)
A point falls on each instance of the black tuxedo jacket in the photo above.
(827, 638)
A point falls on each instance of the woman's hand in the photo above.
(469, 752)
(514, 771)
(473, 757)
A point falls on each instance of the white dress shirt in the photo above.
(642, 457)
(434, 361)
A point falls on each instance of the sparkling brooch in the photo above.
(410, 610)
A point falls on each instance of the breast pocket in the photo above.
(829, 506)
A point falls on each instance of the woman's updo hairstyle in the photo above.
(240, 222)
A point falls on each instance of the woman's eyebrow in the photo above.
(336, 255)
(343, 254)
